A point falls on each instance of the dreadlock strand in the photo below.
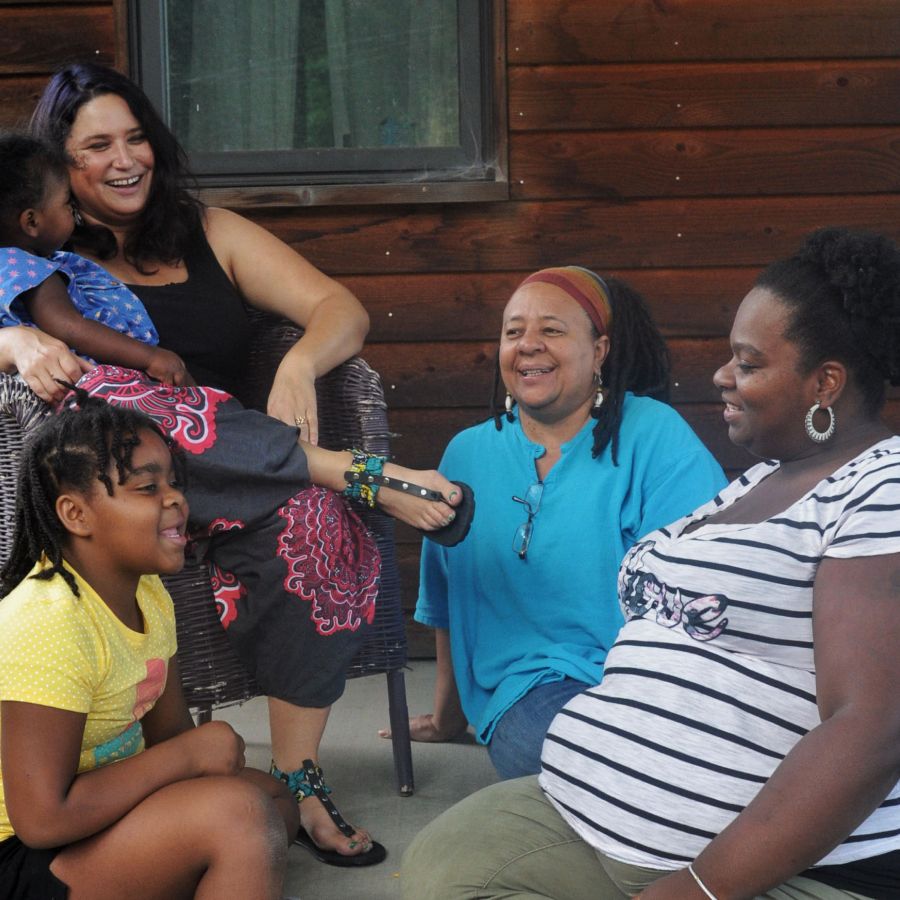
(122, 446)
(496, 414)
(638, 362)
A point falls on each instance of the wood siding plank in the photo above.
(704, 95)
(617, 165)
(37, 38)
(529, 235)
(460, 373)
(469, 306)
(18, 97)
(577, 31)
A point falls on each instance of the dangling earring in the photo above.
(508, 405)
(76, 215)
(819, 436)
(598, 397)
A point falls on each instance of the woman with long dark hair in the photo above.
(293, 570)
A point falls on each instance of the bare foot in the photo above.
(428, 515)
(315, 819)
(423, 728)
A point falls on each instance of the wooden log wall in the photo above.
(680, 144)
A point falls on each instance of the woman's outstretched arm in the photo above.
(273, 277)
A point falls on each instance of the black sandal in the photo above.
(308, 781)
(365, 478)
(452, 533)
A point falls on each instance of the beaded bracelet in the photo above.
(361, 485)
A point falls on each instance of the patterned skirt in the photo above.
(294, 570)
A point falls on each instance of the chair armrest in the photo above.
(270, 338)
(352, 409)
(20, 403)
(20, 411)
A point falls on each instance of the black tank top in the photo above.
(203, 319)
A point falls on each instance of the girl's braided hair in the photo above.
(69, 451)
(638, 361)
(842, 291)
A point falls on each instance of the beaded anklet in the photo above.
(308, 781)
(364, 477)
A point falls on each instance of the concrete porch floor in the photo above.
(359, 765)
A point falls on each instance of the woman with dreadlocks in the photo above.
(88, 677)
(584, 462)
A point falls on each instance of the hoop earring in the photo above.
(819, 436)
(508, 406)
(598, 397)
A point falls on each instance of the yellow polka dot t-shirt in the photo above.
(72, 653)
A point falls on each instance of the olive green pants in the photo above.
(506, 842)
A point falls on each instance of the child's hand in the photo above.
(168, 367)
(215, 748)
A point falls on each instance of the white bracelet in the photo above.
(700, 884)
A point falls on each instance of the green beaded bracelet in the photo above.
(361, 485)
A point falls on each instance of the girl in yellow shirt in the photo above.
(106, 787)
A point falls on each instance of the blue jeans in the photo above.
(515, 746)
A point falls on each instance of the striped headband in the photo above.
(587, 288)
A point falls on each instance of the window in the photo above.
(326, 92)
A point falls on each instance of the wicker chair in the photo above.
(352, 413)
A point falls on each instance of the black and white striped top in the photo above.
(711, 680)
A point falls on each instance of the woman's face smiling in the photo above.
(548, 353)
(766, 395)
(112, 166)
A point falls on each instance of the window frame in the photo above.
(421, 176)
